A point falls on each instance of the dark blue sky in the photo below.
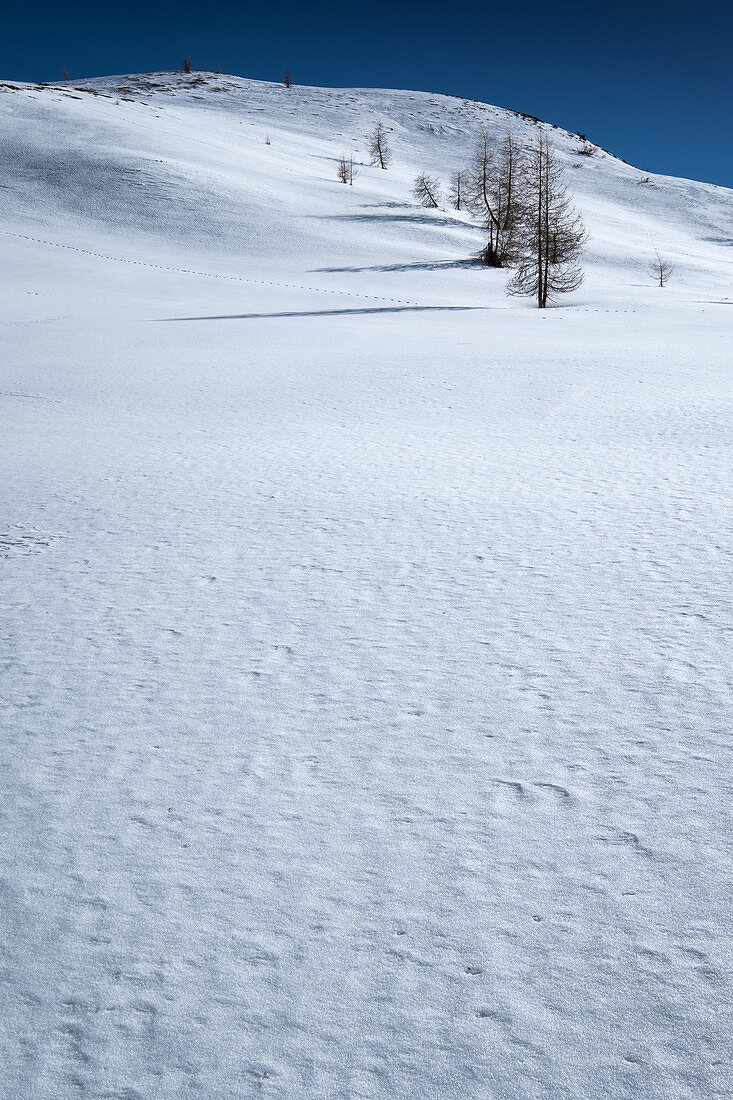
(650, 81)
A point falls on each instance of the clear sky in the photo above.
(650, 81)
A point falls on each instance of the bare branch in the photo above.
(346, 171)
(380, 153)
(426, 190)
(492, 191)
(457, 191)
(550, 233)
(660, 270)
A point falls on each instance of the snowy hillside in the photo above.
(366, 633)
(183, 159)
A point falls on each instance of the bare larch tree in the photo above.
(187, 65)
(551, 232)
(660, 270)
(346, 171)
(457, 191)
(426, 190)
(380, 153)
(287, 79)
(493, 193)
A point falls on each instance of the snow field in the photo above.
(365, 633)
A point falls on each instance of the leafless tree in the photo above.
(586, 149)
(187, 66)
(287, 79)
(64, 73)
(380, 153)
(493, 193)
(551, 233)
(660, 270)
(346, 170)
(457, 191)
(426, 190)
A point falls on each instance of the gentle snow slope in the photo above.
(366, 634)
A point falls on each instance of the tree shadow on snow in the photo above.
(322, 313)
(417, 265)
(414, 217)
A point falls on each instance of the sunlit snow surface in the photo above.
(366, 635)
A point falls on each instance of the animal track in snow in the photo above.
(209, 274)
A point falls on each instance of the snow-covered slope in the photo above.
(183, 159)
(366, 633)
